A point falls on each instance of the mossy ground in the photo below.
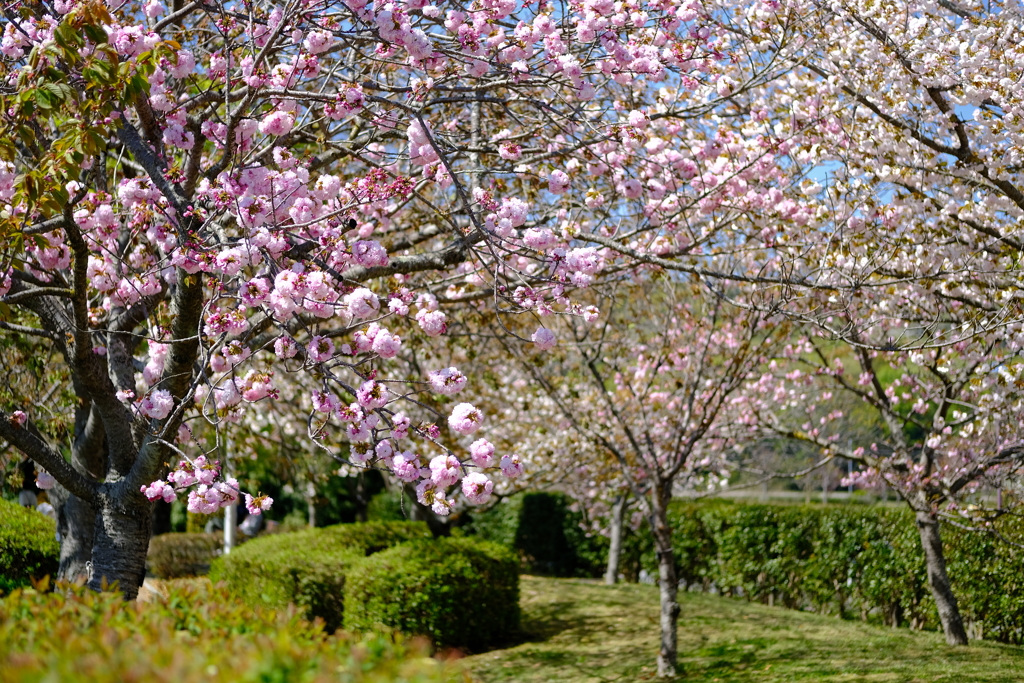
(580, 631)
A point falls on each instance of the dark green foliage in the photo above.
(177, 555)
(545, 533)
(307, 567)
(540, 535)
(387, 506)
(457, 591)
(850, 561)
(28, 546)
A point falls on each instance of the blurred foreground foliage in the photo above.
(193, 633)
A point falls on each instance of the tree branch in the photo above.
(29, 441)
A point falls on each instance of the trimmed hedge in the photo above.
(193, 635)
(173, 556)
(307, 567)
(28, 546)
(846, 560)
(457, 591)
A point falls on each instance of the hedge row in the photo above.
(392, 575)
(28, 546)
(190, 636)
(850, 561)
(307, 568)
(177, 555)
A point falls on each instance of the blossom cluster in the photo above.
(209, 494)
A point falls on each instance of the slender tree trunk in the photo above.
(121, 542)
(938, 579)
(668, 582)
(611, 574)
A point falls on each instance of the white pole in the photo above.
(231, 511)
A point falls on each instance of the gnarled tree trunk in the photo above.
(121, 541)
(76, 525)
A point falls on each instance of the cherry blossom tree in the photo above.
(650, 390)
(206, 207)
(202, 199)
(952, 427)
(902, 121)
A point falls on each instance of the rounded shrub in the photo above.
(456, 591)
(28, 546)
(173, 556)
(307, 568)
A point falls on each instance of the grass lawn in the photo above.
(582, 632)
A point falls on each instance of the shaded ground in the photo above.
(584, 632)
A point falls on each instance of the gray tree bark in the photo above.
(668, 581)
(121, 542)
(76, 524)
(938, 579)
(611, 574)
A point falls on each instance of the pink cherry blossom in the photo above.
(277, 123)
(544, 339)
(386, 345)
(477, 488)
(448, 381)
(372, 394)
(325, 402)
(159, 490)
(558, 182)
(465, 419)
(320, 349)
(257, 505)
(157, 405)
(362, 303)
(405, 466)
(482, 453)
(445, 470)
(511, 467)
(433, 323)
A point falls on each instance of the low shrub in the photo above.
(192, 635)
(307, 568)
(28, 546)
(173, 555)
(457, 591)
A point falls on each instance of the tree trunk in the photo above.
(76, 518)
(76, 526)
(121, 542)
(938, 579)
(668, 582)
(611, 574)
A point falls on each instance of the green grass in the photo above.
(579, 631)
